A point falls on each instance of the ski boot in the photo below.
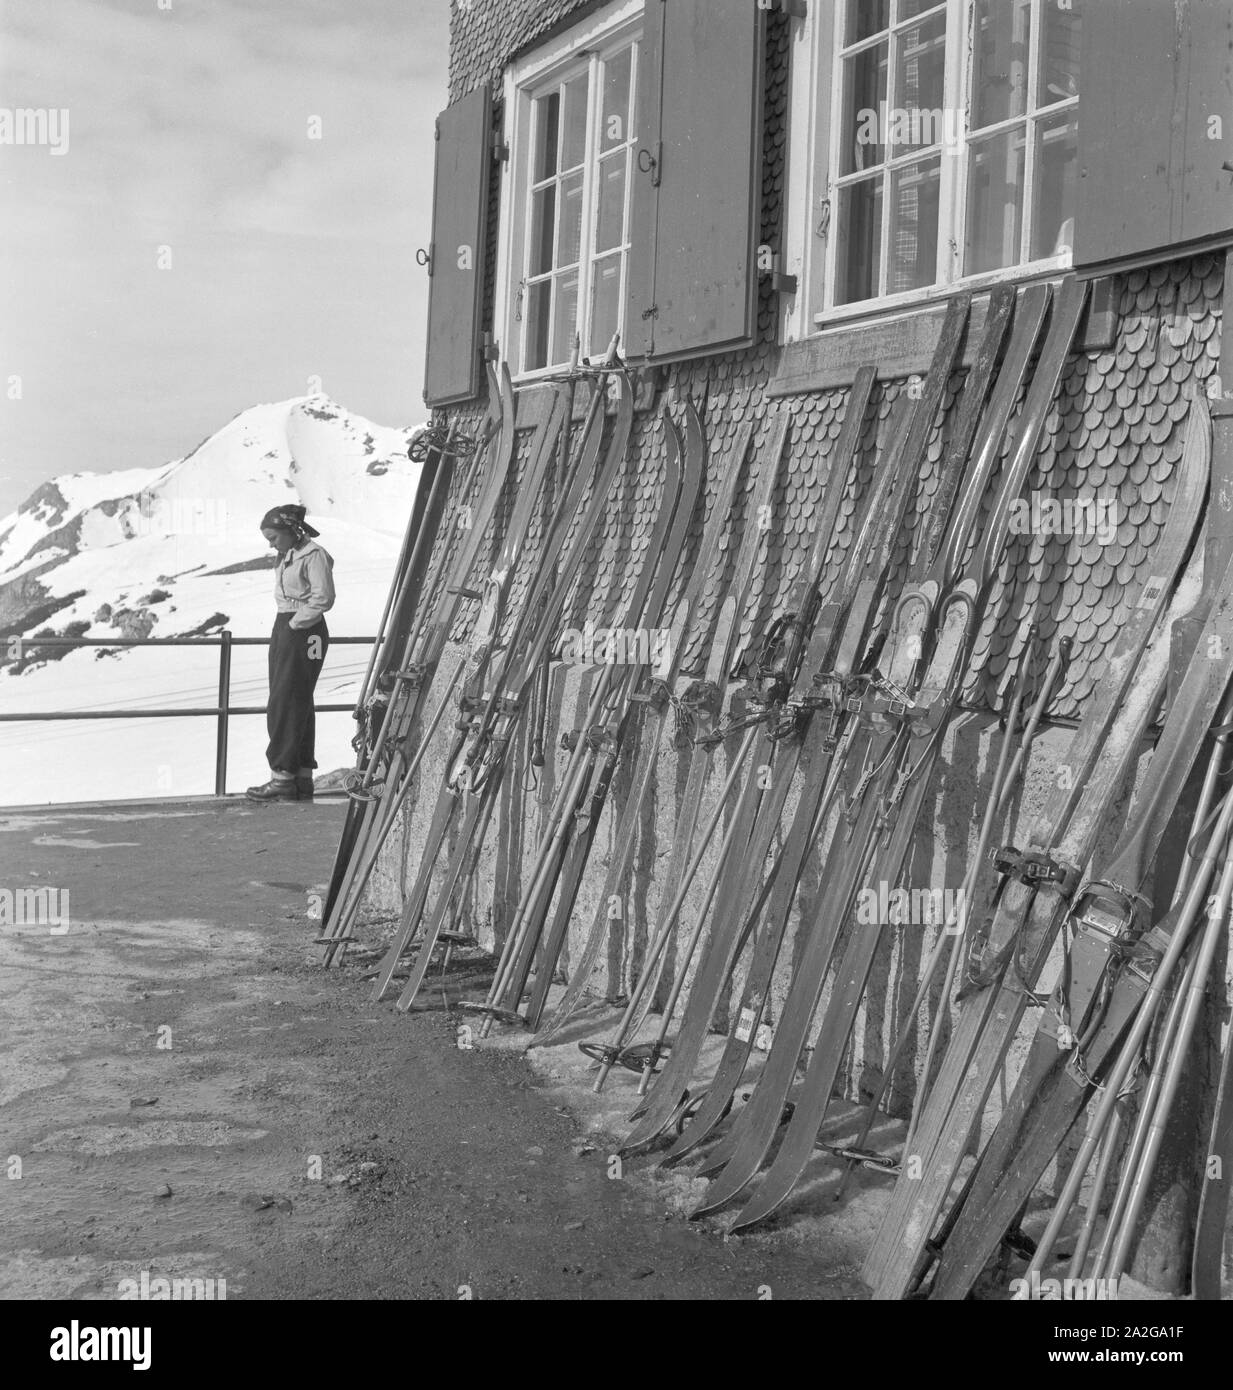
(276, 789)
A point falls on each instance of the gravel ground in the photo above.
(187, 1095)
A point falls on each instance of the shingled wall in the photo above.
(1116, 428)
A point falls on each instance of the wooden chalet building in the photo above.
(760, 197)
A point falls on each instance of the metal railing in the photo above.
(223, 711)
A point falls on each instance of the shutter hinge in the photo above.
(780, 283)
(797, 9)
(491, 350)
(498, 147)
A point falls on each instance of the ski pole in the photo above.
(655, 958)
(656, 954)
(412, 550)
(949, 939)
(1134, 1148)
(538, 715)
(753, 916)
(1114, 1082)
(1189, 1016)
(546, 862)
(1090, 1216)
(395, 709)
(687, 954)
(349, 900)
(1053, 675)
(577, 771)
(949, 935)
(656, 947)
(1136, 1144)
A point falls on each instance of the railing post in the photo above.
(224, 710)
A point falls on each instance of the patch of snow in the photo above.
(169, 528)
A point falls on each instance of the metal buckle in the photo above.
(1036, 869)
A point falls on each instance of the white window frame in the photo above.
(812, 182)
(608, 28)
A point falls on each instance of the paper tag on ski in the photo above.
(1151, 592)
(765, 1037)
(745, 1025)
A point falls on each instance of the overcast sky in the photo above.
(189, 129)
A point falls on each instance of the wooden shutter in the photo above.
(1152, 78)
(692, 273)
(456, 256)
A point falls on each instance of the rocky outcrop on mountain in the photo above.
(203, 509)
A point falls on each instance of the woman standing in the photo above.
(303, 592)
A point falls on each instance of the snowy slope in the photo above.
(175, 550)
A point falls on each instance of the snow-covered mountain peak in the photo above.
(175, 550)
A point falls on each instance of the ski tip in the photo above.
(752, 1215)
(706, 1207)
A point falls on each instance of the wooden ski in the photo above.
(916, 727)
(1035, 890)
(480, 765)
(660, 699)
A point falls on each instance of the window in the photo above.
(944, 147)
(566, 228)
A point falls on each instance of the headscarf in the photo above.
(291, 519)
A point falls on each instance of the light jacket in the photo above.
(304, 583)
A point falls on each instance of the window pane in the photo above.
(865, 17)
(605, 303)
(547, 115)
(1059, 55)
(543, 224)
(1053, 221)
(865, 88)
(909, 9)
(995, 182)
(1000, 60)
(565, 317)
(913, 246)
(616, 100)
(574, 126)
(569, 242)
(860, 233)
(539, 300)
(920, 70)
(610, 224)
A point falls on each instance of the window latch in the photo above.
(649, 163)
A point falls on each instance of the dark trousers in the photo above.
(296, 655)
